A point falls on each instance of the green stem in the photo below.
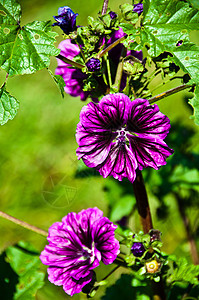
(82, 53)
(118, 76)
(69, 61)
(169, 92)
(110, 47)
(111, 272)
(23, 224)
(108, 70)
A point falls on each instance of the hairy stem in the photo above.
(169, 92)
(23, 224)
(111, 46)
(146, 221)
(142, 202)
(69, 61)
(104, 7)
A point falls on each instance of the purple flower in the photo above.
(76, 247)
(113, 15)
(118, 135)
(66, 19)
(73, 77)
(93, 64)
(137, 249)
(138, 8)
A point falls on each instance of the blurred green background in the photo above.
(40, 177)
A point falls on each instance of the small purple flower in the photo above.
(113, 15)
(76, 247)
(66, 19)
(138, 8)
(93, 64)
(118, 135)
(137, 249)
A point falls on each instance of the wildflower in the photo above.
(118, 135)
(74, 77)
(66, 19)
(76, 247)
(93, 64)
(137, 249)
(113, 15)
(138, 8)
(152, 266)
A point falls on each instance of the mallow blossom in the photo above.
(76, 247)
(117, 136)
(66, 19)
(74, 77)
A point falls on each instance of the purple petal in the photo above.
(149, 151)
(147, 119)
(120, 163)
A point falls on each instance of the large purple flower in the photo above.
(76, 246)
(118, 135)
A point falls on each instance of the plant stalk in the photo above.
(142, 202)
(23, 224)
(118, 76)
(111, 46)
(147, 225)
(104, 7)
(70, 62)
(169, 92)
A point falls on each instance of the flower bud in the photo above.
(155, 235)
(66, 19)
(113, 15)
(138, 8)
(93, 64)
(137, 249)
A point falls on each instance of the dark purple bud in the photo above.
(138, 8)
(112, 14)
(137, 249)
(66, 19)
(93, 64)
(155, 235)
(179, 43)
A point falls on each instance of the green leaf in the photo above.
(26, 49)
(128, 288)
(165, 23)
(185, 272)
(195, 103)
(25, 262)
(194, 3)
(59, 81)
(122, 208)
(8, 106)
